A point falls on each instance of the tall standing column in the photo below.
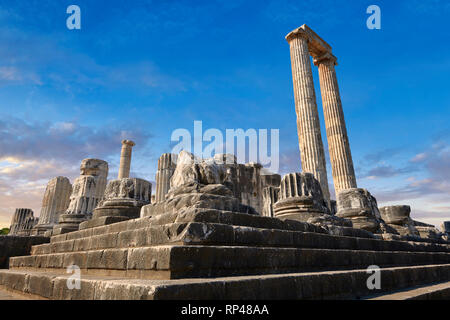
(308, 125)
(125, 159)
(338, 144)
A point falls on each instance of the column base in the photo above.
(68, 223)
(40, 230)
(113, 211)
(297, 208)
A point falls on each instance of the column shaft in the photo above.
(308, 125)
(338, 144)
(125, 159)
(166, 168)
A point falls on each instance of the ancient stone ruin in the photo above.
(22, 222)
(446, 229)
(246, 181)
(305, 43)
(398, 217)
(166, 168)
(359, 206)
(124, 197)
(55, 203)
(218, 229)
(87, 191)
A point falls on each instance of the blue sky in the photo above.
(141, 69)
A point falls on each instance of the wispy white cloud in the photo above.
(12, 75)
(63, 141)
(33, 153)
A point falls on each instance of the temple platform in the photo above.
(213, 254)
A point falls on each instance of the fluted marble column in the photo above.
(270, 197)
(56, 200)
(87, 191)
(19, 220)
(125, 159)
(166, 168)
(308, 125)
(338, 144)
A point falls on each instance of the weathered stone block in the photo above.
(12, 246)
(75, 258)
(149, 258)
(56, 260)
(40, 285)
(87, 191)
(62, 292)
(300, 194)
(359, 206)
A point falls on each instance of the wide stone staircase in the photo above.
(214, 254)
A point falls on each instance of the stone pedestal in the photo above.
(68, 222)
(446, 227)
(398, 217)
(300, 198)
(310, 139)
(55, 202)
(396, 214)
(122, 200)
(87, 191)
(429, 232)
(360, 207)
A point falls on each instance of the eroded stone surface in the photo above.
(55, 202)
(300, 197)
(245, 181)
(166, 167)
(270, 197)
(428, 231)
(87, 191)
(398, 218)
(123, 200)
(446, 227)
(360, 207)
(123, 197)
(23, 222)
(15, 246)
(138, 190)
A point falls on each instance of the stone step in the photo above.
(348, 284)
(178, 261)
(153, 235)
(437, 291)
(221, 234)
(196, 215)
(6, 294)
